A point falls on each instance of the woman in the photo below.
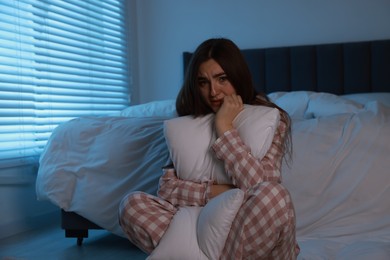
(218, 81)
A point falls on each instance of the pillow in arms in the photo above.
(189, 140)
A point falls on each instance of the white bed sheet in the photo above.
(339, 177)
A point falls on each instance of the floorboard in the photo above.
(51, 243)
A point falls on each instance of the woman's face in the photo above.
(214, 84)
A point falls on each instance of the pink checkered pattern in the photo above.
(245, 169)
(264, 227)
(145, 218)
(183, 193)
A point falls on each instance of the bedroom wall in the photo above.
(167, 28)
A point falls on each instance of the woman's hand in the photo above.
(230, 108)
(217, 189)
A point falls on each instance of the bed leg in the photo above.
(79, 241)
(77, 233)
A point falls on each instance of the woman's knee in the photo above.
(129, 204)
(274, 199)
(138, 210)
(265, 219)
(271, 191)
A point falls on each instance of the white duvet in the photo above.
(90, 164)
(339, 177)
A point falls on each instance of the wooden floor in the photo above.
(51, 244)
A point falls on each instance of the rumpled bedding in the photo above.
(339, 175)
(90, 164)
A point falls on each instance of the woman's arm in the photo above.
(244, 169)
(217, 189)
(182, 192)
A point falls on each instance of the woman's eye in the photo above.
(202, 83)
(222, 79)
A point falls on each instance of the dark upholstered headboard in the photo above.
(339, 68)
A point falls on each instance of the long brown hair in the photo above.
(227, 54)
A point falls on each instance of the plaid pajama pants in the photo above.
(264, 227)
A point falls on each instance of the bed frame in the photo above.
(339, 68)
(76, 226)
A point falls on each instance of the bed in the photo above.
(338, 96)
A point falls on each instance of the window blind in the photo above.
(58, 60)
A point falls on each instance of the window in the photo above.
(58, 60)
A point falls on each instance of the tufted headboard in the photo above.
(339, 68)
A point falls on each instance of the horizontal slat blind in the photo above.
(58, 60)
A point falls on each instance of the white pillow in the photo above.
(215, 221)
(179, 241)
(197, 232)
(326, 104)
(163, 108)
(256, 126)
(310, 104)
(294, 103)
(276, 95)
(189, 140)
(364, 98)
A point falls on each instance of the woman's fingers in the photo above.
(231, 107)
(234, 101)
